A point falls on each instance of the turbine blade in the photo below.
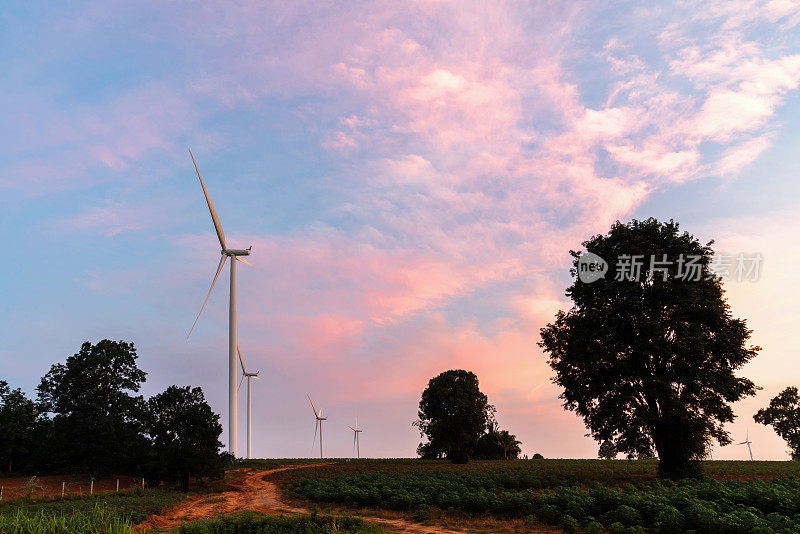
(314, 441)
(240, 384)
(239, 258)
(312, 406)
(241, 360)
(219, 268)
(214, 217)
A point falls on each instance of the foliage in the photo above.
(255, 523)
(453, 414)
(497, 445)
(97, 423)
(98, 520)
(783, 413)
(607, 451)
(18, 422)
(590, 495)
(185, 433)
(649, 363)
(135, 505)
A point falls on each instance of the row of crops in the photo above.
(572, 502)
(255, 523)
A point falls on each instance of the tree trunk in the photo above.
(184, 480)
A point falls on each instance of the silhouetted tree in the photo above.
(18, 421)
(607, 451)
(453, 413)
(783, 413)
(497, 445)
(97, 423)
(185, 433)
(650, 363)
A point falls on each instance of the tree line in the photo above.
(87, 418)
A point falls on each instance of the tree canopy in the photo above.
(649, 362)
(607, 451)
(18, 421)
(97, 422)
(783, 413)
(453, 414)
(497, 444)
(185, 433)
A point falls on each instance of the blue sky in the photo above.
(410, 177)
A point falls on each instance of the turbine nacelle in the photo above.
(237, 252)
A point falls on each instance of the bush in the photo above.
(569, 523)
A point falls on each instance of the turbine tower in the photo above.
(318, 423)
(356, 444)
(747, 442)
(235, 255)
(249, 411)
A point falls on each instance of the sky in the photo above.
(411, 177)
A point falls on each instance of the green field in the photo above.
(109, 513)
(577, 495)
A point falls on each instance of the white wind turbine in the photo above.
(356, 444)
(317, 423)
(234, 254)
(747, 442)
(249, 411)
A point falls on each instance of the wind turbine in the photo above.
(356, 444)
(249, 376)
(318, 423)
(234, 254)
(747, 442)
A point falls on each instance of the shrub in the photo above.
(569, 523)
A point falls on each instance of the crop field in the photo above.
(576, 495)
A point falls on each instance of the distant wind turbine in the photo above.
(249, 411)
(747, 442)
(232, 336)
(317, 424)
(356, 444)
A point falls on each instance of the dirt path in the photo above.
(251, 491)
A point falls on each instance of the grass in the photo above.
(100, 519)
(134, 506)
(255, 523)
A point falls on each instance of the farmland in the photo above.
(428, 496)
(575, 495)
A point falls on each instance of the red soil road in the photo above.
(251, 491)
(13, 487)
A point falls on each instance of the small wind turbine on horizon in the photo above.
(317, 424)
(747, 442)
(233, 345)
(356, 444)
(249, 418)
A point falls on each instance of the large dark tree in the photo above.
(783, 413)
(185, 433)
(453, 414)
(18, 422)
(650, 363)
(97, 422)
